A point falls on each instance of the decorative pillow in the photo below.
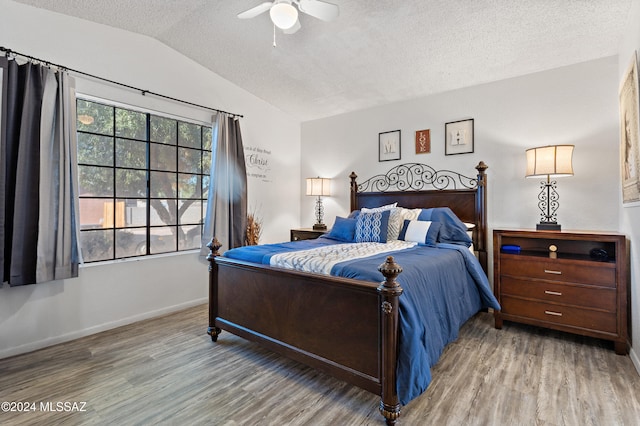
(343, 229)
(353, 214)
(410, 214)
(452, 229)
(423, 232)
(378, 209)
(470, 227)
(372, 227)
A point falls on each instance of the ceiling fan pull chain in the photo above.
(274, 35)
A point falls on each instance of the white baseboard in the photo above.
(33, 346)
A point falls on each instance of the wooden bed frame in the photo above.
(343, 327)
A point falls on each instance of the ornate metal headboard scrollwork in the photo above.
(415, 185)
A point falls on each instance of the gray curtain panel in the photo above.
(39, 188)
(4, 68)
(226, 217)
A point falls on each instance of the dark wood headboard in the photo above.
(416, 185)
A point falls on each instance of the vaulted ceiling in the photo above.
(376, 52)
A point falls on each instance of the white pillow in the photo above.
(470, 227)
(417, 231)
(378, 209)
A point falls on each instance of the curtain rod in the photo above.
(13, 53)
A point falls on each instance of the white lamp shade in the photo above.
(283, 15)
(318, 186)
(555, 160)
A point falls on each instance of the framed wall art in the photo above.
(458, 137)
(423, 141)
(389, 146)
(629, 134)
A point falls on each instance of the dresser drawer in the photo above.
(559, 314)
(602, 274)
(588, 297)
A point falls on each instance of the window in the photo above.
(143, 182)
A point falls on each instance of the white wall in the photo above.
(571, 105)
(576, 104)
(630, 216)
(120, 292)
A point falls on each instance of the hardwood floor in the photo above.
(167, 371)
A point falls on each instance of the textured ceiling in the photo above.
(376, 52)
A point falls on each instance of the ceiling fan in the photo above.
(285, 16)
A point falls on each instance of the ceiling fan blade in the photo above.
(293, 29)
(319, 9)
(255, 11)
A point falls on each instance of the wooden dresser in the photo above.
(570, 281)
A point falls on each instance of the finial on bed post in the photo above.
(354, 190)
(481, 221)
(214, 245)
(390, 292)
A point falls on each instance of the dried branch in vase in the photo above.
(254, 229)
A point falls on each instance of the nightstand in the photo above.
(306, 234)
(569, 281)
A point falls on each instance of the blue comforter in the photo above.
(443, 287)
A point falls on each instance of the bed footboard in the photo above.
(346, 328)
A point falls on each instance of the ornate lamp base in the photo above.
(548, 226)
(320, 227)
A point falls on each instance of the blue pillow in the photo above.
(354, 214)
(452, 229)
(372, 227)
(417, 231)
(343, 229)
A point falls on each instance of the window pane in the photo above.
(94, 149)
(96, 245)
(131, 124)
(189, 134)
(93, 213)
(163, 185)
(163, 130)
(189, 186)
(163, 240)
(94, 118)
(96, 181)
(131, 154)
(163, 212)
(135, 212)
(206, 162)
(192, 211)
(131, 183)
(189, 160)
(205, 187)
(190, 237)
(162, 157)
(206, 138)
(131, 242)
(102, 213)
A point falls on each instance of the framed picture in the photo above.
(423, 141)
(389, 146)
(458, 137)
(629, 153)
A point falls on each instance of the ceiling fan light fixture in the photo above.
(283, 15)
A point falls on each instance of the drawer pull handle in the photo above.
(557, 314)
(549, 271)
(553, 293)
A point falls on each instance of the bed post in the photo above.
(354, 190)
(214, 245)
(389, 291)
(481, 215)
